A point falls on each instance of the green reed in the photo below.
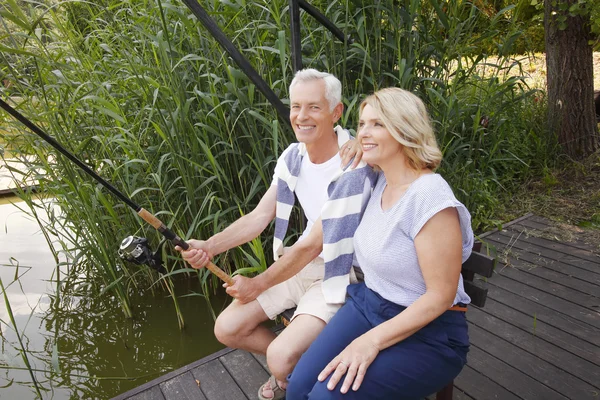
(143, 94)
(22, 349)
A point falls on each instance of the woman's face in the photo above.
(379, 147)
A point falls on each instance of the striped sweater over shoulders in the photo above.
(340, 214)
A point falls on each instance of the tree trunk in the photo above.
(569, 63)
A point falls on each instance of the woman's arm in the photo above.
(439, 250)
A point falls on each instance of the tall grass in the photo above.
(142, 93)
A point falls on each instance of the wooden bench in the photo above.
(478, 263)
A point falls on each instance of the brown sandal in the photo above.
(278, 392)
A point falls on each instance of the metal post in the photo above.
(316, 14)
(295, 35)
(239, 59)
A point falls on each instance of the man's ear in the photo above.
(337, 112)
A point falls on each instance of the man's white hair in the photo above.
(333, 86)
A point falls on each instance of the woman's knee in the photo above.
(299, 386)
(319, 391)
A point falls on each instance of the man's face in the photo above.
(310, 114)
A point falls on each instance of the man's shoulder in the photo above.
(293, 148)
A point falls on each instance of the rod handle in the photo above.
(219, 273)
(176, 240)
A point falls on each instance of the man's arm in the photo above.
(288, 265)
(241, 231)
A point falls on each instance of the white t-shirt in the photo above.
(311, 188)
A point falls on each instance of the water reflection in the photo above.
(78, 342)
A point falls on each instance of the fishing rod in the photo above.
(132, 248)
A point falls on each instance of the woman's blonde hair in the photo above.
(406, 119)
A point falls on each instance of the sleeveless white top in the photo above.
(384, 240)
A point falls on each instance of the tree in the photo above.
(569, 62)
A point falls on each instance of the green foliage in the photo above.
(143, 94)
(567, 9)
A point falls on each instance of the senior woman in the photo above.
(402, 333)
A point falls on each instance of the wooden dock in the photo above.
(538, 336)
(11, 171)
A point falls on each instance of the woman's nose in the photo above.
(363, 132)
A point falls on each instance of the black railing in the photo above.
(296, 51)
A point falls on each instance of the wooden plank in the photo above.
(520, 242)
(570, 270)
(476, 292)
(579, 236)
(486, 234)
(173, 374)
(182, 387)
(460, 395)
(567, 308)
(246, 371)
(481, 264)
(552, 275)
(540, 312)
(542, 220)
(538, 237)
(152, 393)
(542, 252)
(509, 377)
(481, 387)
(550, 227)
(557, 369)
(262, 360)
(555, 289)
(216, 383)
(530, 322)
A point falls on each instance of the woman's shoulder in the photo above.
(432, 186)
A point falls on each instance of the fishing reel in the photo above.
(137, 250)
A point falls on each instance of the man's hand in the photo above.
(198, 255)
(244, 289)
(351, 148)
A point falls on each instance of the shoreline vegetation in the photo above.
(146, 97)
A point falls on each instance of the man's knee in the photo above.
(225, 329)
(230, 327)
(282, 356)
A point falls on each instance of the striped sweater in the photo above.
(340, 214)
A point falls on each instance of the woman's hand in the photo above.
(351, 149)
(353, 361)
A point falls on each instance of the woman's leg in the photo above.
(346, 325)
(412, 369)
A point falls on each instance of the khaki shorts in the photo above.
(302, 291)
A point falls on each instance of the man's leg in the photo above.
(285, 351)
(345, 326)
(239, 326)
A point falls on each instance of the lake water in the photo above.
(83, 346)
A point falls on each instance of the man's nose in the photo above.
(302, 113)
